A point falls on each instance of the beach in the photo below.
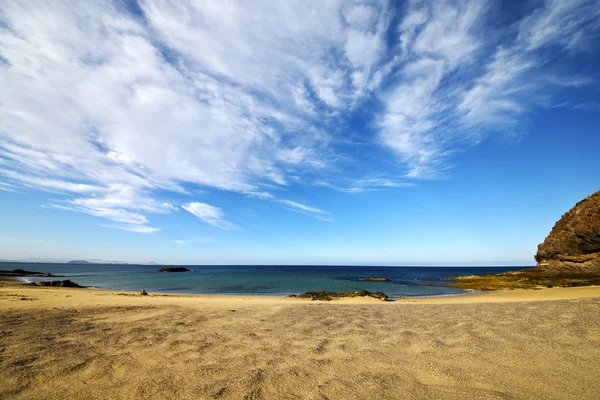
(93, 344)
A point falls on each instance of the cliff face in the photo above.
(574, 242)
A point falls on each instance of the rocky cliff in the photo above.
(574, 242)
(570, 255)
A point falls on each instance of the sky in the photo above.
(295, 132)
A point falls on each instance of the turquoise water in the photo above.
(260, 279)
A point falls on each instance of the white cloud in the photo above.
(125, 220)
(365, 185)
(565, 23)
(192, 241)
(439, 102)
(7, 187)
(133, 228)
(114, 108)
(307, 210)
(204, 94)
(209, 214)
(51, 184)
(448, 33)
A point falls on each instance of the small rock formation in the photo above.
(375, 279)
(574, 242)
(328, 296)
(65, 283)
(173, 269)
(143, 293)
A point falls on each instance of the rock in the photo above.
(143, 293)
(379, 295)
(574, 242)
(65, 283)
(532, 278)
(375, 279)
(328, 296)
(22, 272)
(174, 269)
(569, 256)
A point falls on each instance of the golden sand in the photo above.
(88, 344)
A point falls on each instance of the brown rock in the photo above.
(324, 295)
(574, 242)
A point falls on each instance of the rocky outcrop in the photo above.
(569, 256)
(328, 296)
(173, 269)
(65, 283)
(532, 278)
(375, 279)
(574, 242)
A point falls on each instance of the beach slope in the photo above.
(89, 344)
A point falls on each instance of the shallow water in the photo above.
(260, 279)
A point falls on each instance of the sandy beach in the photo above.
(90, 344)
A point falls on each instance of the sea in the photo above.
(275, 280)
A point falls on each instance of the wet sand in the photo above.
(90, 344)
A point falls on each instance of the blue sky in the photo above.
(309, 132)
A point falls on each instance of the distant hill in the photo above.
(79, 262)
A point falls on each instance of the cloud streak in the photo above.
(211, 215)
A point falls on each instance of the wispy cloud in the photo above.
(192, 241)
(438, 102)
(133, 228)
(125, 220)
(365, 185)
(307, 210)
(7, 187)
(209, 214)
(121, 107)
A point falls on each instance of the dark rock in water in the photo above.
(375, 279)
(174, 269)
(574, 242)
(65, 283)
(143, 293)
(22, 272)
(79, 262)
(328, 296)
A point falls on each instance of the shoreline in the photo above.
(8, 284)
